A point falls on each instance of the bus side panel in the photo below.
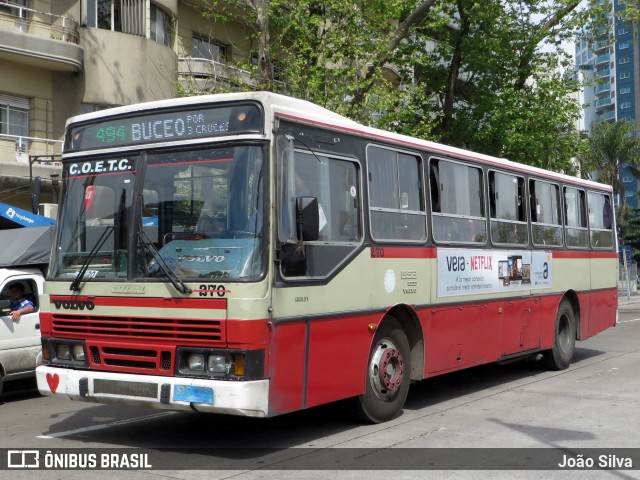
(462, 336)
(604, 291)
(603, 311)
(546, 314)
(286, 367)
(338, 355)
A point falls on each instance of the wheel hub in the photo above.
(390, 370)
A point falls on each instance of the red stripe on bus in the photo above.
(573, 254)
(208, 303)
(403, 252)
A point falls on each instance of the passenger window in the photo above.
(395, 194)
(546, 221)
(507, 209)
(575, 212)
(336, 184)
(457, 202)
(600, 220)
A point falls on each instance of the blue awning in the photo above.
(11, 217)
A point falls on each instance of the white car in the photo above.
(20, 344)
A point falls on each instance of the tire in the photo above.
(388, 374)
(564, 339)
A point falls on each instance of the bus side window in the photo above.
(508, 209)
(600, 220)
(434, 186)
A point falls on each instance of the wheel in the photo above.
(564, 341)
(388, 374)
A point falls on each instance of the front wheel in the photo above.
(564, 339)
(388, 373)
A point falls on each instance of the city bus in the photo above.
(254, 254)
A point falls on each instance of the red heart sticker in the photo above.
(53, 381)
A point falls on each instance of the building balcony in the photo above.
(203, 73)
(607, 116)
(601, 47)
(17, 149)
(40, 39)
(602, 89)
(600, 59)
(605, 72)
(603, 103)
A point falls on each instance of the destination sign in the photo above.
(165, 126)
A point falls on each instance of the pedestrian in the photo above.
(18, 304)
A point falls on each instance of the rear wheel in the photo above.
(564, 341)
(388, 373)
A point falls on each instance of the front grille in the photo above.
(184, 330)
(113, 362)
(165, 361)
(95, 354)
(134, 359)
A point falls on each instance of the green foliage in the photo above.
(613, 147)
(629, 226)
(478, 75)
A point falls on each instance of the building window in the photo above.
(160, 26)
(127, 16)
(625, 90)
(622, 31)
(624, 60)
(206, 48)
(14, 116)
(625, 75)
(15, 9)
(625, 105)
(623, 45)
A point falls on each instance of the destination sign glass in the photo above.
(165, 126)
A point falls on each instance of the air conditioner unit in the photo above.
(49, 210)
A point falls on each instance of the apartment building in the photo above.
(611, 64)
(60, 58)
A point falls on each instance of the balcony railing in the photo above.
(606, 87)
(610, 115)
(204, 70)
(203, 73)
(39, 23)
(18, 148)
(605, 72)
(603, 59)
(603, 102)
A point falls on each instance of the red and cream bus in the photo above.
(255, 254)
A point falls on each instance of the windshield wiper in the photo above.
(164, 268)
(75, 285)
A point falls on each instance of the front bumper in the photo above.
(250, 398)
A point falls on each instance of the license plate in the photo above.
(192, 394)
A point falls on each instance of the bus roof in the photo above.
(306, 112)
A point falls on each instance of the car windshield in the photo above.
(197, 213)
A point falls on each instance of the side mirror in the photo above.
(307, 218)
(4, 307)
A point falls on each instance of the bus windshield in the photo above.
(196, 212)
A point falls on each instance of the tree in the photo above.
(473, 74)
(613, 147)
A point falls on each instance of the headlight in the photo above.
(195, 361)
(63, 351)
(78, 352)
(217, 363)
